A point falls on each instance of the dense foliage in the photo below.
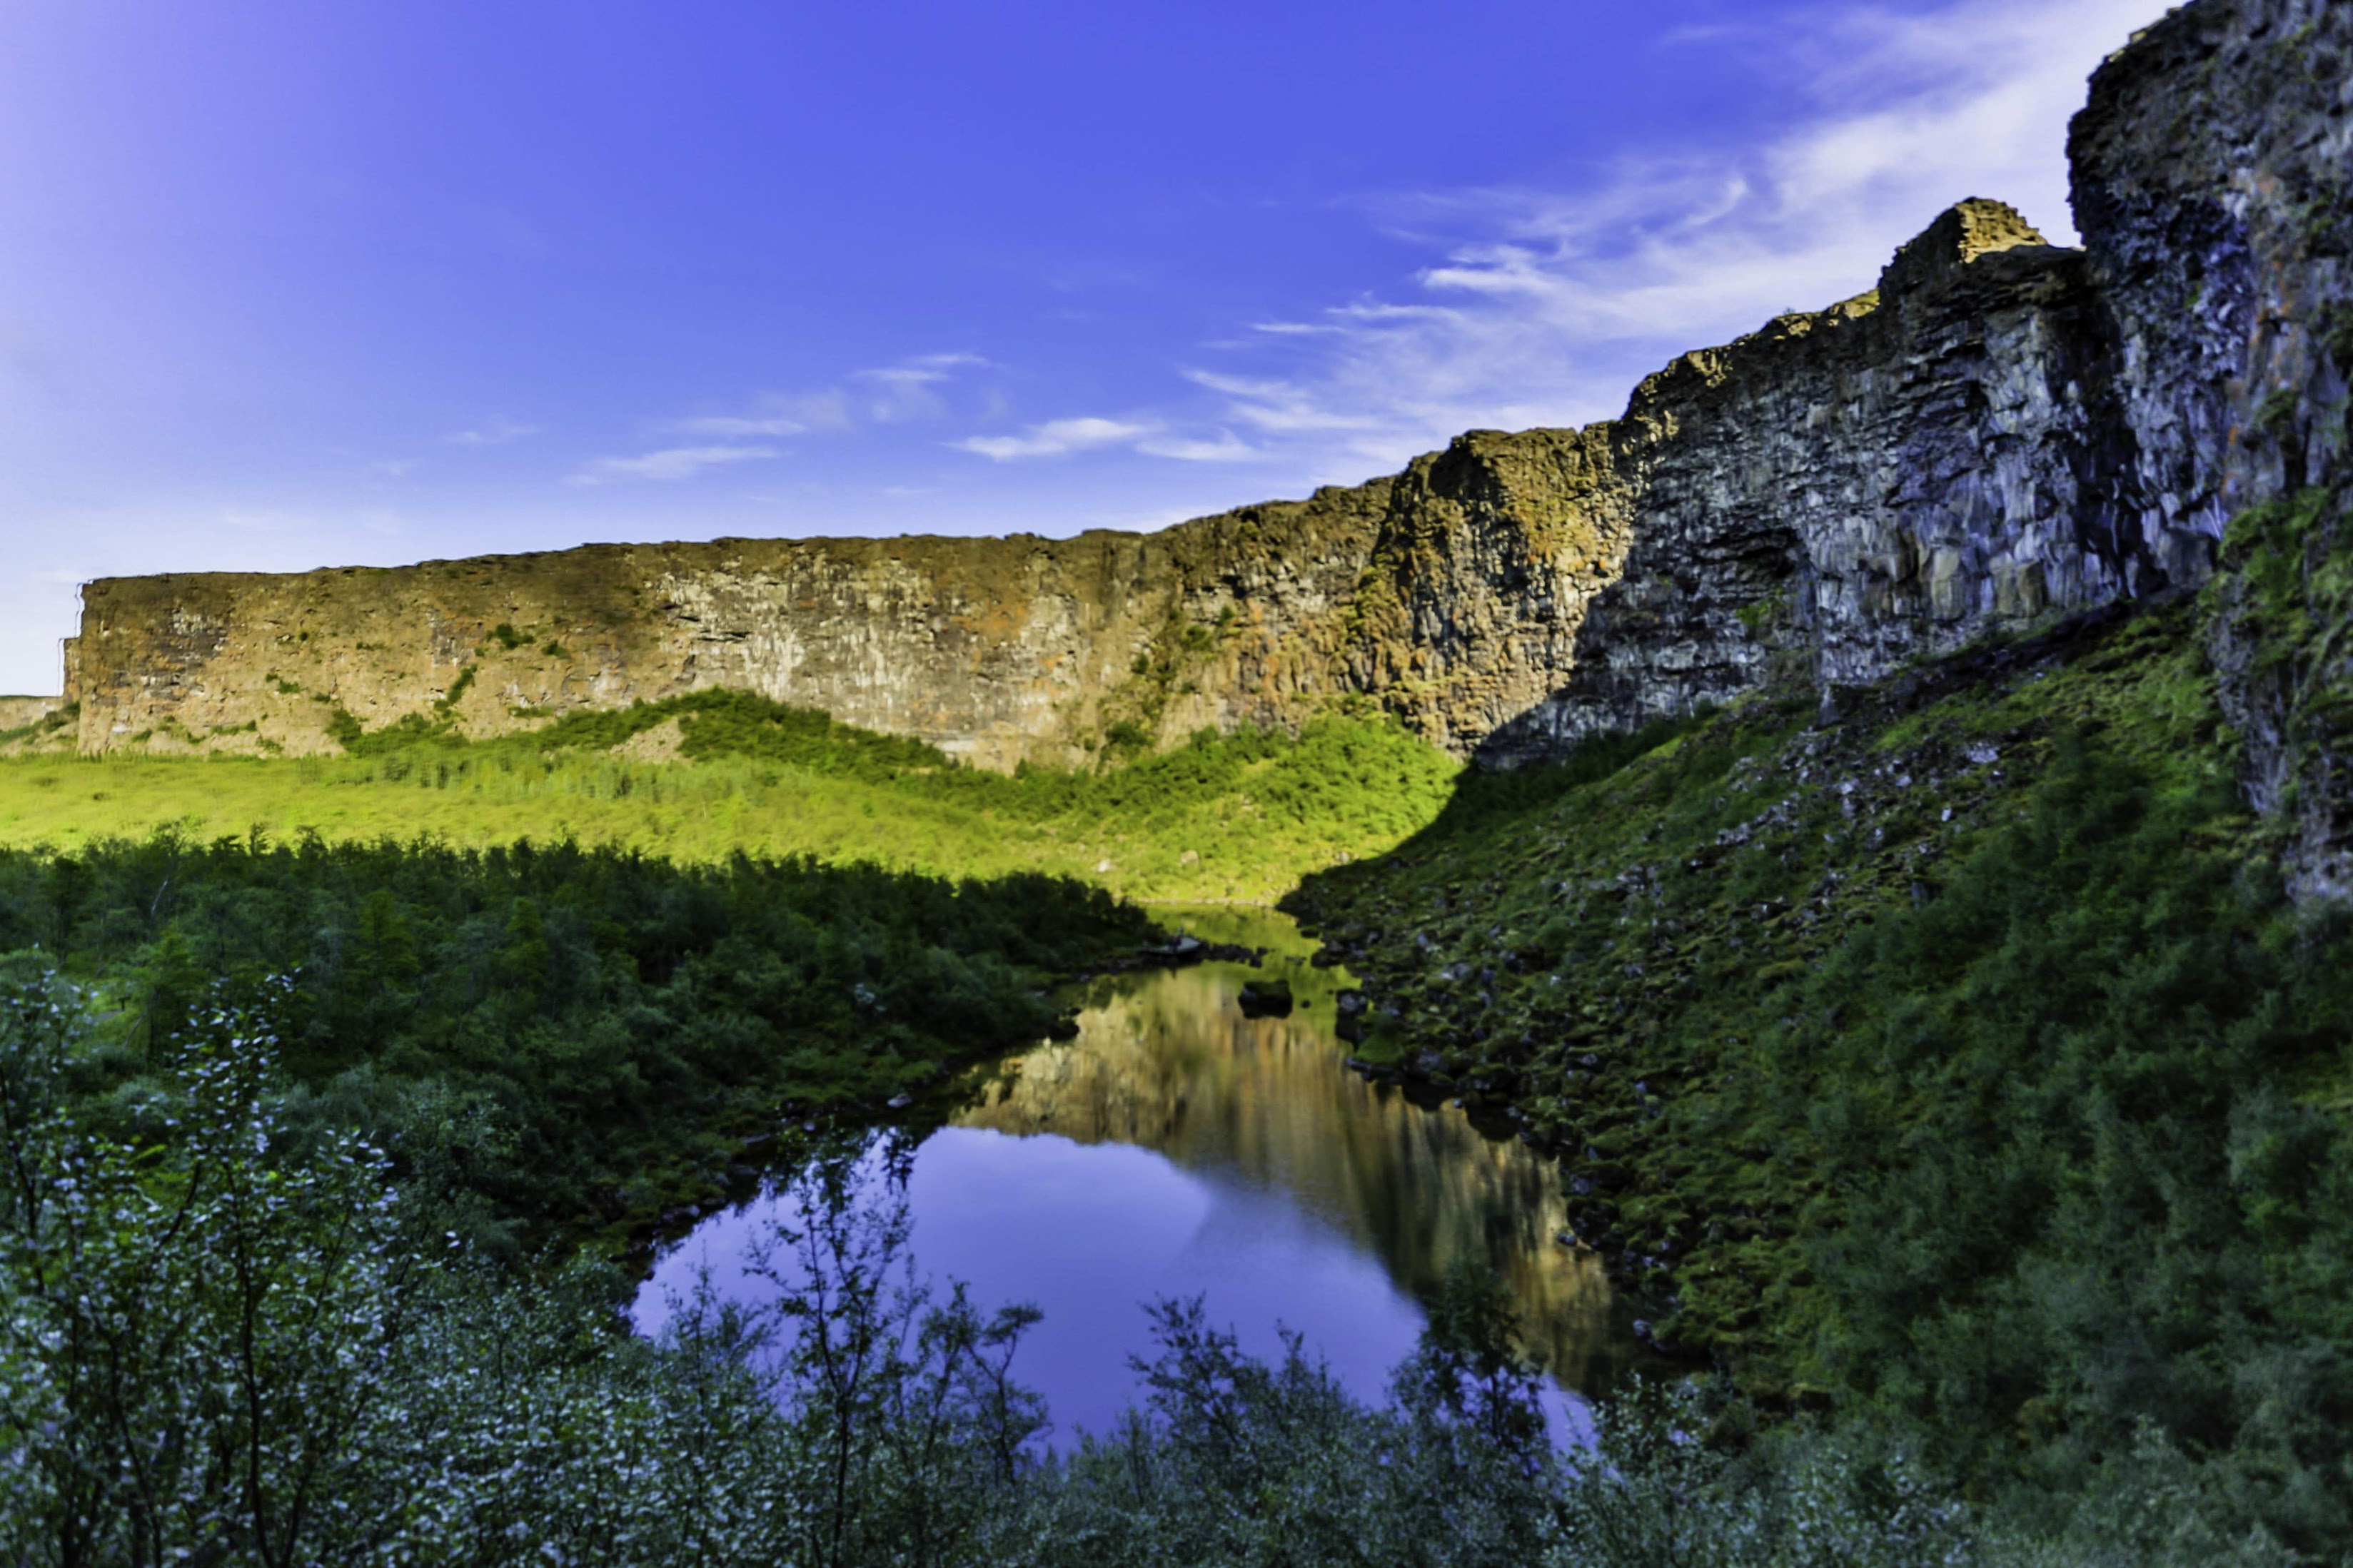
(226, 1345)
(1954, 1061)
(573, 1039)
(713, 774)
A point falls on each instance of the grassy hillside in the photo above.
(698, 778)
(1955, 1060)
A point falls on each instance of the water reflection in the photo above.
(1176, 1147)
(1171, 1065)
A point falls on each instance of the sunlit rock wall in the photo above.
(18, 712)
(1452, 593)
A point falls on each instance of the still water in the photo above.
(1176, 1148)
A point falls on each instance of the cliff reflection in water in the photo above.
(1167, 1062)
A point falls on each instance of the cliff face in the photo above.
(2006, 432)
(16, 712)
(1850, 488)
(1453, 591)
(2211, 173)
(988, 647)
(2002, 433)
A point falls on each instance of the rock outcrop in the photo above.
(16, 712)
(2002, 433)
(2006, 431)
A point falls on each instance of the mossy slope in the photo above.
(1955, 1056)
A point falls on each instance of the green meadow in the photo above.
(1238, 816)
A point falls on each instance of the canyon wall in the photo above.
(2005, 431)
(1451, 592)
(1839, 492)
(2002, 433)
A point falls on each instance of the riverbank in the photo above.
(561, 1044)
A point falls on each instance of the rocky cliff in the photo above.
(2003, 432)
(16, 712)
(2211, 173)
(1452, 593)
(1856, 487)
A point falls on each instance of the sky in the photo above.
(286, 285)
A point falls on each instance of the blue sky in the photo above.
(289, 285)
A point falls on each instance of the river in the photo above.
(1178, 1147)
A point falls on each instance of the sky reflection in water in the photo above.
(1176, 1148)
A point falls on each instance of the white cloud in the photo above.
(908, 390)
(884, 394)
(670, 463)
(492, 433)
(1281, 407)
(1547, 307)
(925, 368)
(1226, 448)
(827, 410)
(739, 425)
(391, 468)
(1056, 438)
(1060, 437)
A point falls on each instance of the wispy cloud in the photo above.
(492, 433)
(670, 463)
(1060, 437)
(772, 415)
(391, 468)
(935, 367)
(739, 425)
(909, 390)
(1281, 407)
(1056, 438)
(1546, 307)
(1224, 449)
(893, 393)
